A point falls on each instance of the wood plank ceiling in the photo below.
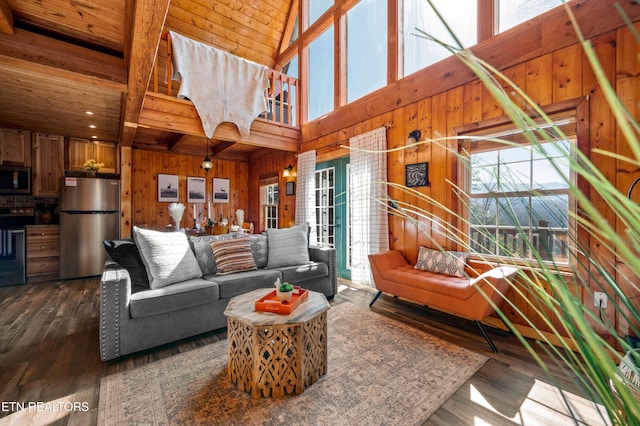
(60, 58)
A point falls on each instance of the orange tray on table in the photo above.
(271, 303)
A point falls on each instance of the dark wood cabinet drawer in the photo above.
(43, 266)
(46, 248)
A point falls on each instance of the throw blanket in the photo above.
(222, 86)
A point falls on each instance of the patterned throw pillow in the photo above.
(288, 246)
(167, 257)
(233, 255)
(201, 247)
(259, 249)
(443, 262)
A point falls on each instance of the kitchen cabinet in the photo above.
(15, 147)
(48, 165)
(43, 252)
(80, 150)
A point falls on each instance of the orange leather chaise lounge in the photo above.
(458, 295)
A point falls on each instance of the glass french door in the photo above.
(332, 210)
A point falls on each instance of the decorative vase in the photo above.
(175, 211)
(284, 296)
(240, 217)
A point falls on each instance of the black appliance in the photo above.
(13, 244)
(15, 180)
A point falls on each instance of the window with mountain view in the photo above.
(519, 199)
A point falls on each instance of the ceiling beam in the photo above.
(33, 53)
(148, 21)
(6, 18)
(177, 140)
(222, 146)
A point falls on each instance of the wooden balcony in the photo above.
(276, 129)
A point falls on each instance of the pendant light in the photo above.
(207, 164)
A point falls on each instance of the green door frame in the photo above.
(341, 212)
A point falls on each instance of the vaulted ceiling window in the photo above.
(514, 12)
(317, 8)
(375, 49)
(320, 85)
(366, 48)
(460, 15)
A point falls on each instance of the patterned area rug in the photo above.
(380, 372)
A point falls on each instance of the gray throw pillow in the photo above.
(202, 250)
(288, 246)
(442, 262)
(259, 249)
(167, 257)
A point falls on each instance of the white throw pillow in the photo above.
(288, 246)
(442, 262)
(167, 257)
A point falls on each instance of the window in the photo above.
(514, 12)
(269, 202)
(321, 75)
(325, 206)
(317, 8)
(460, 15)
(519, 197)
(291, 69)
(366, 48)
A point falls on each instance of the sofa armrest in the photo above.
(115, 292)
(327, 255)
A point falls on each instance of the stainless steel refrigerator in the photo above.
(89, 214)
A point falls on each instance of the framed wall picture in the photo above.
(290, 188)
(220, 190)
(417, 174)
(168, 188)
(196, 190)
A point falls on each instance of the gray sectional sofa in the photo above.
(152, 294)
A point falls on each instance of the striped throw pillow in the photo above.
(233, 255)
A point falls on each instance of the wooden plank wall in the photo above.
(148, 212)
(558, 76)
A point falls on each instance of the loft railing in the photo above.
(282, 96)
(549, 242)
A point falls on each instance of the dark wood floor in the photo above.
(49, 354)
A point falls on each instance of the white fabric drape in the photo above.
(369, 225)
(306, 192)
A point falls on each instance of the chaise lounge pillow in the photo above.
(126, 254)
(443, 262)
(233, 255)
(167, 257)
(288, 246)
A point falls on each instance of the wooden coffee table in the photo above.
(271, 355)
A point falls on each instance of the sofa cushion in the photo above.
(307, 271)
(126, 254)
(232, 255)
(182, 295)
(443, 262)
(288, 246)
(242, 282)
(167, 257)
(202, 250)
(259, 249)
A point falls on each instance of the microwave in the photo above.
(15, 180)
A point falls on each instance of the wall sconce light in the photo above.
(207, 164)
(413, 138)
(287, 171)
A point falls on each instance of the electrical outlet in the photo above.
(599, 299)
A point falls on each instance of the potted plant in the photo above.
(285, 292)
